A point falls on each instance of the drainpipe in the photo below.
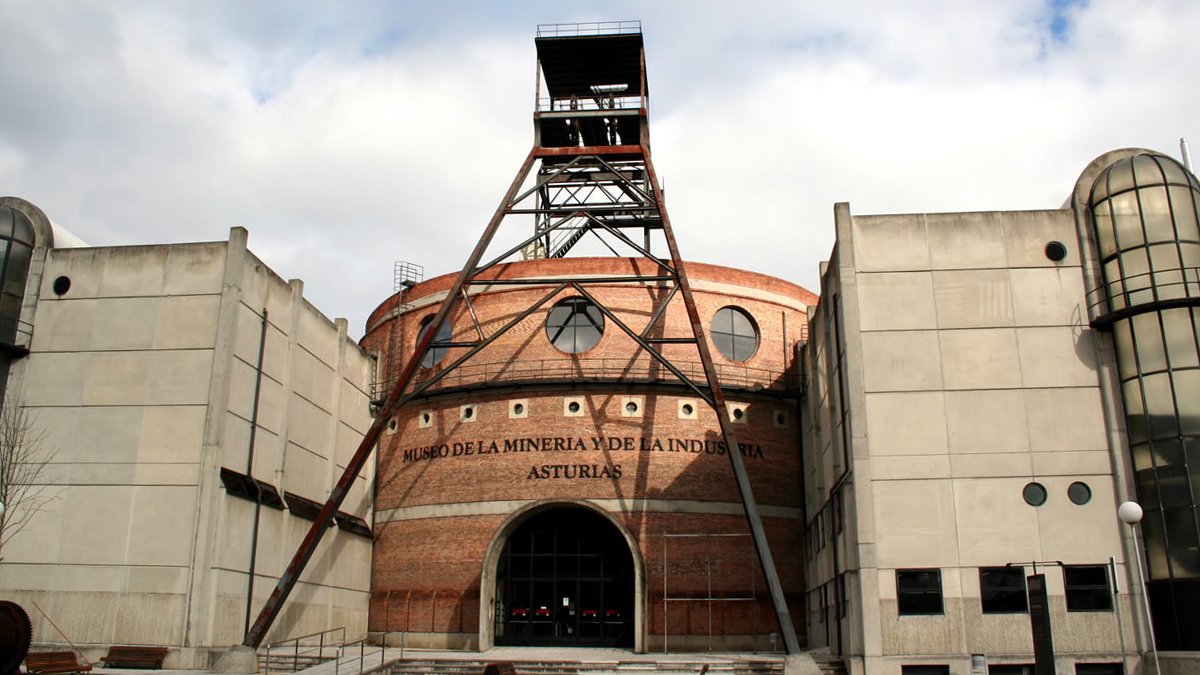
(262, 343)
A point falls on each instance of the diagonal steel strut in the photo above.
(287, 581)
(454, 296)
(757, 532)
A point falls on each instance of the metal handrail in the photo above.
(595, 102)
(603, 370)
(589, 28)
(295, 642)
(15, 333)
(348, 648)
(1146, 289)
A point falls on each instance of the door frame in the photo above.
(491, 561)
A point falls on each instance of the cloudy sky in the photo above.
(346, 136)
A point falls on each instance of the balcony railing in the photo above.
(583, 103)
(1160, 289)
(564, 370)
(15, 335)
(589, 28)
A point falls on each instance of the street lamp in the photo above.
(1130, 513)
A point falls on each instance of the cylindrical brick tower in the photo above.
(562, 487)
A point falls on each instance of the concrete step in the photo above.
(638, 667)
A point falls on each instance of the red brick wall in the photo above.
(427, 570)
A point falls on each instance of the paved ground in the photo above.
(372, 657)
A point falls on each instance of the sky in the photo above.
(348, 136)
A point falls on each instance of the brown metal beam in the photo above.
(287, 581)
(754, 518)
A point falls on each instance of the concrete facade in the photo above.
(142, 374)
(952, 363)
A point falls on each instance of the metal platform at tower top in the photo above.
(573, 63)
(595, 78)
(593, 177)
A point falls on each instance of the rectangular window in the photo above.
(1002, 590)
(1087, 588)
(841, 596)
(1011, 669)
(835, 507)
(919, 591)
(925, 670)
(1099, 669)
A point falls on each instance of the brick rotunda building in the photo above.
(562, 487)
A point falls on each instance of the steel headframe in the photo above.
(602, 190)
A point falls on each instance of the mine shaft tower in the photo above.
(592, 174)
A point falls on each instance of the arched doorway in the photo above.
(565, 577)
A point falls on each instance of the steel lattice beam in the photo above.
(573, 193)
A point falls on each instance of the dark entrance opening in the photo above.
(565, 577)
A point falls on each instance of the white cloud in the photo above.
(348, 136)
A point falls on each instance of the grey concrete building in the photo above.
(146, 368)
(983, 390)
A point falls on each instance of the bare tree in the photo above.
(24, 464)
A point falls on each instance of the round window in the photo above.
(1079, 493)
(574, 325)
(734, 333)
(1056, 251)
(433, 355)
(1034, 494)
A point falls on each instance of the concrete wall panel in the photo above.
(980, 359)
(896, 301)
(986, 421)
(186, 322)
(915, 537)
(901, 361)
(973, 298)
(965, 240)
(907, 423)
(1061, 356)
(890, 243)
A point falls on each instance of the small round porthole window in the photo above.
(734, 333)
(1034, 494)
(62, 285)
(574, 325)
(433, 355)
(1079, 493)
(1056, 251)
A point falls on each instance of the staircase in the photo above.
(442, 663)
(571, 241)
(629, 667)
(288, 662)
(828, 663)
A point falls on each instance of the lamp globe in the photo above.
(1129, 513)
